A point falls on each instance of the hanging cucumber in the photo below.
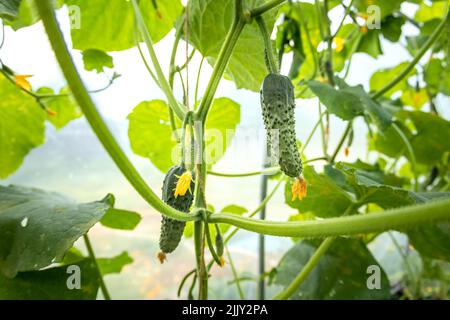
(278, 104)
(177, 192)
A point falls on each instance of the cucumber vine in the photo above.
(398, 218)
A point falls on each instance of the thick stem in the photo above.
(91, 252)
(200, 202)
(255, 12)
(220, 66)
(400, 218)
(94, 118)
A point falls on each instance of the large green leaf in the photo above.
(437, 76)
(28, 14)
(9, 8)
(369, 188)
(340, 274)
(429, 142)
(21, 126)
(37, 227)
(370, 43)
(108, 25)
(391, 27)
(223, 118)
(121, 219)
(385, 7)
(62, 108)
(97, 60)
(380, 78)
(114, 264)
(429, 12)
(324, 197)
(349, 102)
(432, 241)
(51, 284)
(209, 22)
(151, 136)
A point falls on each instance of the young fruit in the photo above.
(278, 104)
(177, 193)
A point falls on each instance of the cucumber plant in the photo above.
(402, 185)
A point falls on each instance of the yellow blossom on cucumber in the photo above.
(299, 189)
(22, 81)
(183, 184)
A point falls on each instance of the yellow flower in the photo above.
(222, 261)
(347, 151)
(183, 184)
(22, 82)
(363, 29)
(299, 189)
(339, 43)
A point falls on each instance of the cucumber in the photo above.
(172, 230)
(278, 105)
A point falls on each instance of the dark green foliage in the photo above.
(172, 230)
(278, 104)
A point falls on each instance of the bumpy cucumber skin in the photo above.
(278, 105)
(172, 230)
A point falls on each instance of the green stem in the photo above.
(347, 11)
(329, 63)
(310, 265)
(183, 281)
(255, 12)
(311, 134)
(200, 202)
(411, 155)
(341, 142)
(268, 171)
(209, 241)
(141, 54)
(220, 65)
(197, 82)
(322, 131)
(416, 59)
(272, 170)
(399, 218)
(172, 69)
(235, 275)
(312, 262)
(91, 252)
(272, 63)
(165, 87)
(96, 122)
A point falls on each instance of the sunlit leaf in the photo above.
(209, 22)
(21, 126)
(108, 25)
